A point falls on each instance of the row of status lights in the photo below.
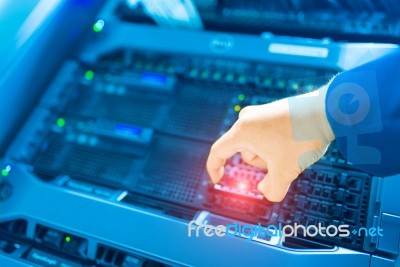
(242, 79)
(149, 65)
(205, 74)
(217, 75)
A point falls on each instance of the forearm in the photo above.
(363, 109)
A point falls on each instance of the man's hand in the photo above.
(284, 137)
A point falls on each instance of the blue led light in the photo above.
(128, 129)
(8, 168)
(153, 78)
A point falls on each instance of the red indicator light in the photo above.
(242, 186)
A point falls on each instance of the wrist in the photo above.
(308, 117)
(320, 114)
(310, 126)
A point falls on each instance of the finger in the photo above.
(224, 148)
(253, 160)
(244, 111)
(274, 187)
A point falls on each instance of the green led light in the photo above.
(217, 75)
(4, 172)
(193, 73)
(241, 97)
(67, 239)
(171, 69)
(89, 75)
(281, 84)
(205, 74)
(229, 77)
(60, 122)
(98, 26)
(267, 82)
(242, 79)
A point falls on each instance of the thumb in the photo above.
(275, 187)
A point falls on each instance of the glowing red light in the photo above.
(242, 186)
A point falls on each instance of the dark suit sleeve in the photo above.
(363, 109)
